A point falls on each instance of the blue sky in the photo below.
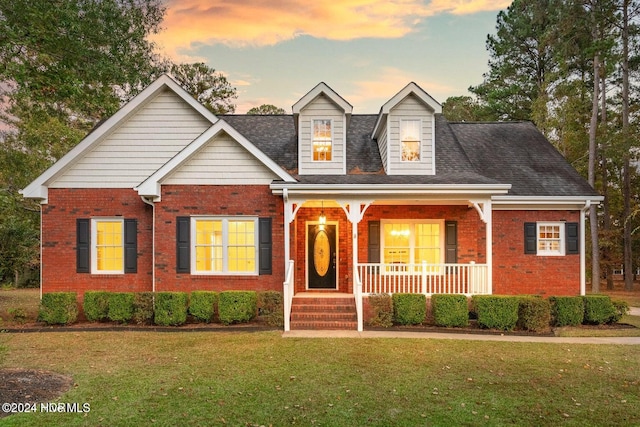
(274, 51)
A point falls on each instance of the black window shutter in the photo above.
(373, 253)
(265, 246)
(451, 242)
(530, 238)
(83, 246)
(572, 230)
(130, 245)
(183, 244)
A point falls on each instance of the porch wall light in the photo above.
(322, 219)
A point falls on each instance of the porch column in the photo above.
(485, 213)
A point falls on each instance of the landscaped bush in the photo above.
(567, 311)
(170, 308)
(496, 311)
(120, 306)
(59, 308)
(271, 307)
(450, 310)
(96, 305)
(143, 308)
(409, 309)
(237, 306)
(621, 307)
(534, 314)
(202, 305)
(382, 310)
(598, 309)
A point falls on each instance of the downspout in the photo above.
(583, 262)
(153, 243)
(41, 275)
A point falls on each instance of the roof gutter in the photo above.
(278, 188)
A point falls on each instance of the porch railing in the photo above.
(428, 279)
(288, 292)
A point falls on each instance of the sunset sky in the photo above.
(274, 51)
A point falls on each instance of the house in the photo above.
(165, 196)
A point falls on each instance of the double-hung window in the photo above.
(410, 130)
(551, 238)
(224, 245)
(406, 242)
(322, 137)
(108, 250)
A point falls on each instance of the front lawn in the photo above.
(247, 379)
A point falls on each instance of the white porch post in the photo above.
(486, 216)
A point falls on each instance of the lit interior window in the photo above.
(406, 243)
(322, 140)
(410, 140)
(549, 238)
(225, 246)
(109, 246)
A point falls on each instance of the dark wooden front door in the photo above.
(321, 256)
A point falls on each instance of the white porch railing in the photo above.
(428, 279)
(287, 294)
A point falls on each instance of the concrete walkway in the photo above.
(634, 311)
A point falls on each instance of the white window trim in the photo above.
(332, 140)
(225, 243)
(420, 139)
(562, 250)
(412, 223)
(94, 244)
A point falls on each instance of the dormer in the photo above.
(322, 117)
(405, 132)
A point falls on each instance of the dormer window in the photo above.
(322, 147)
(410, 140)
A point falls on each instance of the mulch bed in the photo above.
(29, 386)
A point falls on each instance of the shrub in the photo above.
(58, 308)
(237, 306)
(18, 314)
(496, 311)
(621, 307)
(409, 309)
(567, 311)
(96, 305)
(170, 308)
(143, 308)
(382, 310)
(450, 310)
(534, 314)
(202, 305)
(598, 309)
(271, 307)
(120, 306)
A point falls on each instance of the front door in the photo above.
(321, 256)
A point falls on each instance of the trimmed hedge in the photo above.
(409, 309)
(202, 305)
(96, 305)
(170, 308)
(622, 308)
(496, 311)
(271, 307)
(237, 306)
(143, 308)
(121, 306)
(58, 308)
(598, 309)
(567, 311)
(534, 314)
(450, 310)
(382, 310)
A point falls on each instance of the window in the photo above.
(412, 242)
(410, 140)
(322, 140)
(550, 241)
(106, 245)
(224, 245)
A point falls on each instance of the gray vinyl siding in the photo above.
(321, 108)
(138, 147)
(383, 146)
(407, 109)
(222, 161)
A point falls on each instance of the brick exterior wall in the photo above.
(516, 273)
(249, 200)
(59, 239)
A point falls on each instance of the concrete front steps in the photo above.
(323, 311)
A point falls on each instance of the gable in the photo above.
(137, 147)
(221, 161)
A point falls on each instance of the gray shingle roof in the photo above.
(513, 153)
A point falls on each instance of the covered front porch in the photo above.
(432, 241)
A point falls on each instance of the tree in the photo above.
(465, 109)
(266, 109)
(211, 89)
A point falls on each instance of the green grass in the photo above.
(27, 299)
(240, 379)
